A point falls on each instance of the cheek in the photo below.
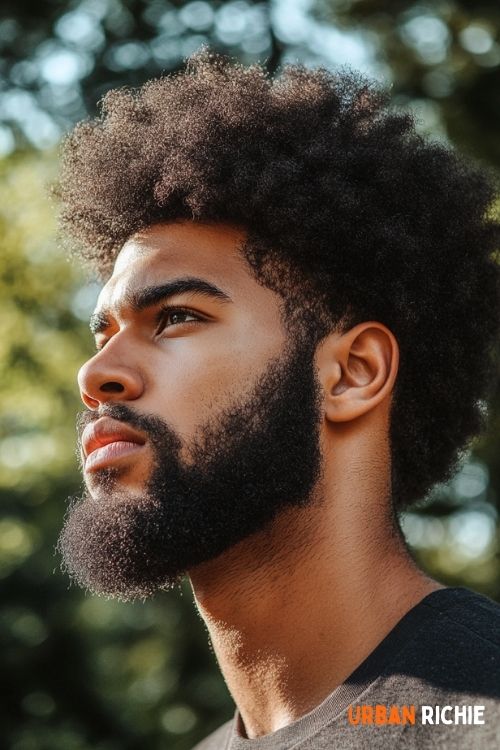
(187, 385)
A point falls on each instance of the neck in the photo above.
(294, 609)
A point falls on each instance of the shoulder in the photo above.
(468, 609)
(457, 642)
(218, 740)
(465, 618)
(442, 663)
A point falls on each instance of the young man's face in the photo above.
(203, 413)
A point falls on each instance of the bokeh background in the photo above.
(80, 672)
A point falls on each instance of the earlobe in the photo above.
(357, 370)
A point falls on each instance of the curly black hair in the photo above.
(371, 220)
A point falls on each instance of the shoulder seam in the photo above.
(465, 627)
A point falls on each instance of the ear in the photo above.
(357, 370)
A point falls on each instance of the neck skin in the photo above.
(293, 610)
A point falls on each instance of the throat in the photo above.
(289, 627)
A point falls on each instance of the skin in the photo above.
(294, 609)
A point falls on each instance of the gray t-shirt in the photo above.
(445, 653)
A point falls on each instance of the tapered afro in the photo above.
(334, 187)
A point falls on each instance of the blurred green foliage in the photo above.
(83, 672)
(443, 53)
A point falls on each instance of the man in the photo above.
(295, 342)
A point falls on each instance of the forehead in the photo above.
(166, 251)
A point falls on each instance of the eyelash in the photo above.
(170, 310)
(161, 319)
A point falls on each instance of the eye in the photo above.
(174, 316)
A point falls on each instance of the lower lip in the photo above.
(110, 453)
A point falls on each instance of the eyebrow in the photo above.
(141, 299)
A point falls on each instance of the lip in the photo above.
(106, 440)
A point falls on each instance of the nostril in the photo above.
(112, 387)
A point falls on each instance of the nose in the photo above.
(102, 380)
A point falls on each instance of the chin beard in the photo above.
(258, 457)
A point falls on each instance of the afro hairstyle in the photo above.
(335, 188)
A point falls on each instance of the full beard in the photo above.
(256, 458)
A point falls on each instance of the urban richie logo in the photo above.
(382, 715)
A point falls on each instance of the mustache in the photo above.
(149, 424)
(120, 412)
